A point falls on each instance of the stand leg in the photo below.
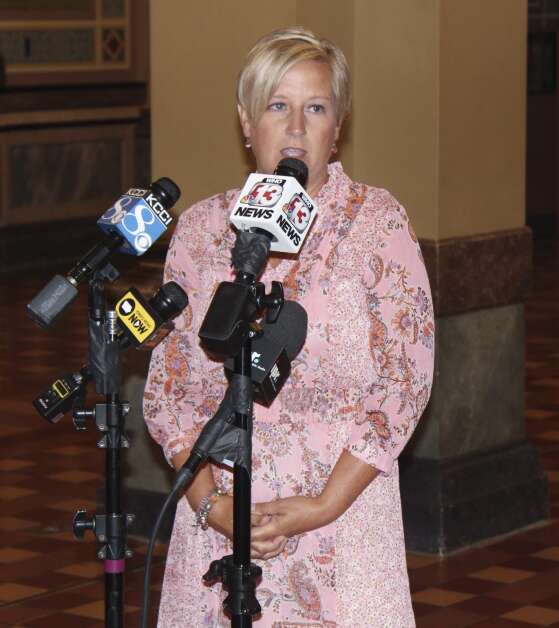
(116, 535)
(114, 600)
(241, 533)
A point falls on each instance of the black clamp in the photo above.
(240, 583)
(110, 530)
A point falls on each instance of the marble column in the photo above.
(468, 473)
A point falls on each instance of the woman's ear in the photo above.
(245, 121)
(337, 132)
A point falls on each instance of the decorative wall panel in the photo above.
(67, 41)
(47, 9)
(114, 8)
(48, 46)
(59, 173)
(64, 173)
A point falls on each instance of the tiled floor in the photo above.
(51, 580)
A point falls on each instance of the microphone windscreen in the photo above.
(291, 167)
(170, 300)
(168, 189)
(290, 328)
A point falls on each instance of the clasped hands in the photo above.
(273, 523)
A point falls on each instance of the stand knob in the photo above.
(82, 523)
(80, 422)
(80, 417)
(274, 302)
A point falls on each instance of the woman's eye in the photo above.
(276, 106)
(317, 108)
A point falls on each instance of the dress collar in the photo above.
(337, 180)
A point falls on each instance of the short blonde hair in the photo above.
(276, 53)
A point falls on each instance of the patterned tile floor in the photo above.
(51, 580)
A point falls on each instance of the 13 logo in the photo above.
(264, 194)
(298, 212)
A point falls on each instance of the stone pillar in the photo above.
(438, 119)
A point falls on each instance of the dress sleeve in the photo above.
(391, 333)
(184, 387)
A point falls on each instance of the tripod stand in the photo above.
(110, 528)
(227, 330)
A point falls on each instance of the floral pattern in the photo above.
(360, 383)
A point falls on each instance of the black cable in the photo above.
(183, 477)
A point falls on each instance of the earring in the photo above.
(247, 142)
(334, 148)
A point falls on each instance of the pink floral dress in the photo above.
(361, 383)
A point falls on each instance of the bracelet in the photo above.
(205, 506)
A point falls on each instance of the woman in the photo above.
(327, 527)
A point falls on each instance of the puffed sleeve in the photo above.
(389, 342)
(184, 387)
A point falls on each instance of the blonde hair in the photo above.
(276, 53)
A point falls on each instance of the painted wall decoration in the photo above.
(65, 41)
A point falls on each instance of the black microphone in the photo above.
(273, 352)
(291, 167)
(136, 220)
(140, 326)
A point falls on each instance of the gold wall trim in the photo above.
(26, 118)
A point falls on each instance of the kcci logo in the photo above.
(140, 220)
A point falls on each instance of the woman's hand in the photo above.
(220, 517)
(273, 523)
(282, 519)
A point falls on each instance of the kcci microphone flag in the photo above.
(139, 217)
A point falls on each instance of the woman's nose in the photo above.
(296, 122)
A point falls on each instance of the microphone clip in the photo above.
(273, 302)
(234, 306)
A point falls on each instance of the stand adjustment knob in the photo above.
(82, 523)
(79, 418)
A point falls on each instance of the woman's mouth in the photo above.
(291, 151)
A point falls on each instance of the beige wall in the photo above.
(482, 115)
(395, 120)
(439, 100)
(197, 49)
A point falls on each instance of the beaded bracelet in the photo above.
(206, 504)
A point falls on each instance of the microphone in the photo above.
(136, 220)
(141, 216)
(277, 206)
(273, 212)
(145, 323)
(139, 326)
(273, 352)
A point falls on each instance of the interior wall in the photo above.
(197, 50)
(482, 116)
(542, 156)
(335, 21)
(439, 100)
(395, 121)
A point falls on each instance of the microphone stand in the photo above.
(228, 334)
(109, 528)
(236, 572)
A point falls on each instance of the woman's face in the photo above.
(299, 121)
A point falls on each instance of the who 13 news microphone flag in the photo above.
(278, 205)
